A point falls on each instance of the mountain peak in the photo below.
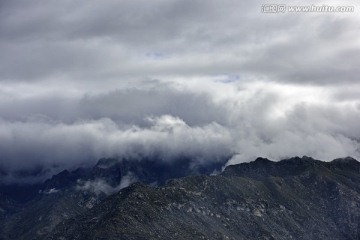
(347, 159)
(262, 160)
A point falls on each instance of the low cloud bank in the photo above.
(246, 121)
(28, 144)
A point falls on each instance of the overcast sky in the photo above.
(81, 80)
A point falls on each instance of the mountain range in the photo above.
(296, 198)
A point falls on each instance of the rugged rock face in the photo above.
(33, 211)
(297, 198)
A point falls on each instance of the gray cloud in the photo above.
(57, 145)
(115, 78)
(128, 106)
(256, 123)
(104, 41)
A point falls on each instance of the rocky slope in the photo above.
(297, 198)
(33, 211)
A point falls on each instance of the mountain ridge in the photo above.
(314, 202)
(249, 196)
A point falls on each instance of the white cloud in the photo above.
(100, 186)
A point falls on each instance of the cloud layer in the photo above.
(253, 120)
(169, 78)
(121, 40)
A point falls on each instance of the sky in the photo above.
(81, 80)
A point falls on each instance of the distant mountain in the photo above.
(297, 198)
